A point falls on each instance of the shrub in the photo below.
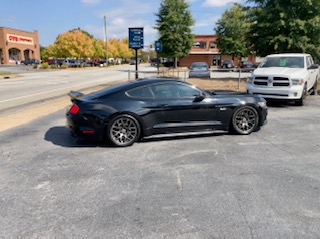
(63, 66)
(53, 66)
(45, 65)
(35, 66)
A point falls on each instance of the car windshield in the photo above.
(292, 62)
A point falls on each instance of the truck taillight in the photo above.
(74, 109)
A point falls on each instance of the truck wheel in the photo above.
(300, 102)
(314, 88)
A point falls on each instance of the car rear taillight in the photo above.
(74, 109)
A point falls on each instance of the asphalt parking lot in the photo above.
(208, 185)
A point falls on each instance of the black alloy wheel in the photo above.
(123, 130)
(245, 120)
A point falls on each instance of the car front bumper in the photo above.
(281, 93)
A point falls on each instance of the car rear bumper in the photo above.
(199, 74)
(82, 130)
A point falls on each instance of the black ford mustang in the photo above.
(130, 111)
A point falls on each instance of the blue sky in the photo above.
(52, 18)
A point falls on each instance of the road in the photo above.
(213, 185)
(33, 86)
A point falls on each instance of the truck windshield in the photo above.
(291, 62)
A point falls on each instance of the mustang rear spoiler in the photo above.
(75, 94)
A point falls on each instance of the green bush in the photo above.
(53, 66)
(45, 65)
(63, 66)
(35, 66)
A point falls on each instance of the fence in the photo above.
(225, 77)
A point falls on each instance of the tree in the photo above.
(285, 26)
(47, 52)
(174, 25)
(231, 31)
(75, 43)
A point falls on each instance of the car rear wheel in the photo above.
(245, 120)
(123, 130)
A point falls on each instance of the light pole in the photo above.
(105, 39)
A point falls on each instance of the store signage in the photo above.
(19, 39)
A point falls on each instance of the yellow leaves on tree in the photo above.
(80, 44)
(119, 49)
(75, 43)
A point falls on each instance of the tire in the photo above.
(123, 130)
(314, 88)
(245, 120)
(300, 102)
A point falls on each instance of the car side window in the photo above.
(309, 61)
(141, 92)
(174, 91)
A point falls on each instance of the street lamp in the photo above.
(105, 39)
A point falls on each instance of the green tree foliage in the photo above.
(47, 52)
(231, 30)
(285, 26)
(174, 22)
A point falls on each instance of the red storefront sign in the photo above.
(19, 39)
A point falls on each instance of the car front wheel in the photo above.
(123, 130)
(300, 102)
(245, 120)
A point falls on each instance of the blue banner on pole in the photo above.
(158, 46)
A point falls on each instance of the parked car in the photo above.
(199, 70)
(57, 62)
(71, 63)
(247, 66)
(99, 63)
(227, 64)
(125, 113)
(288, 77)
(30, 62)
(155, 61)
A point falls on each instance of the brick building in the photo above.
(205, 49)
(17, 45)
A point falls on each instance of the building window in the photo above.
(212, 44)
(200, 44)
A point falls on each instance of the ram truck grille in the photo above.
(272, 81)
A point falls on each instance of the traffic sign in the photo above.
(136, 38)
(158, 46)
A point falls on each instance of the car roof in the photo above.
(288, 54)
(132, 84)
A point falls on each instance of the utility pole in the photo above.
(105, 39)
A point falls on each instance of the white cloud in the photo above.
(219, 3)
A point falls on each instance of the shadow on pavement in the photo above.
(61, 136)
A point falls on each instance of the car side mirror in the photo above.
(198, 98)
(314, 66)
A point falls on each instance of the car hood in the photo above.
(279, 71)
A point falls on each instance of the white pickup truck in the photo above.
(285, 77)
